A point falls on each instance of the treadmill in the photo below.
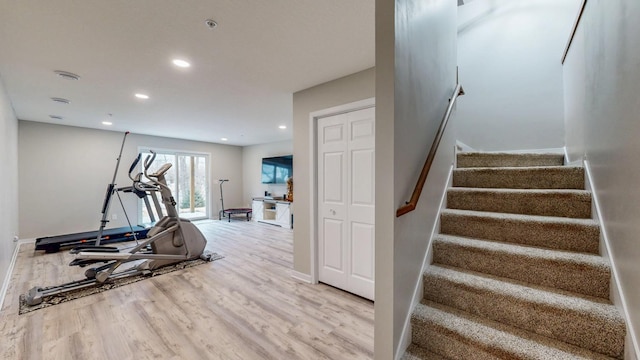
(52, 244)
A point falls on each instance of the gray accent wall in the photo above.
(358, 86)
(8, 183)
(64, 172)
(602, 106)
(509, 55)
(416, 74)
(384, 328)
(252, 169)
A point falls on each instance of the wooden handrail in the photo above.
(411, 204)
(573, 30)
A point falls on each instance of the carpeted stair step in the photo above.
(548, 202)
(458, 335)
(596, 326)
(580, 273)
(582, 235)
(415, 352)
(482, 159)
(555, 177)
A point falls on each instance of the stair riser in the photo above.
(563, 205)
(514, 178)
(419, 353)
(468, 160)
(562, 236)
(570, 276)
(581, 329)
(460, 336)
(442, 341)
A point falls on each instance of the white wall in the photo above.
(8, 182)
(416, 74)
(64, 172)
(252, 166)
(341, 91)
(602, 83)
(509, 55)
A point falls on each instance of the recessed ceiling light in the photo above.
(282, 127)
(181, 63)
(56, 117)
(142, 96)
(108, 121)
(224, 139)
(61, 100)
(67, 75)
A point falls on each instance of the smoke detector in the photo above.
(211, 24)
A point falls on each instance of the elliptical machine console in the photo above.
(171, 240)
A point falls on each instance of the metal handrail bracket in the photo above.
(413, 202)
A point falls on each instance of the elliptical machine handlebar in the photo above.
(148, 161)
(134, 165)
(154, 177)
(137, 179)
(161, 171)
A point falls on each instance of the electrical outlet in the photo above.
(114, 216)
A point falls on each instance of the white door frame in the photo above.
(313, 171)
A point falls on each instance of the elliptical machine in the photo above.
(171, 240)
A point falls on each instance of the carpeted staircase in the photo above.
(516, 270)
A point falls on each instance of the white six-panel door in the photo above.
(346, 201)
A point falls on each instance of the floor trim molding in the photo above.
(7, 278)
(405, 336)
(301, 276)
(618, 292)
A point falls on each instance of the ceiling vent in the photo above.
(67, 75)
(60, 100)
(56, 117)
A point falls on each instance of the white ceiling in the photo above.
(239, 86)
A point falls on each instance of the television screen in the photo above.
(276, 170)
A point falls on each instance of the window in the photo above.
(188, 181)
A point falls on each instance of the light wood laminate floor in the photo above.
(245, 306)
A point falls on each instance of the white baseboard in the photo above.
(617, 294)
(7, 278)
(405, 337)
(27, 241)
(301, 276)
(460, 146)
(569, 161)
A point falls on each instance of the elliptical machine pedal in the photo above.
(207, 256)
(91, 248)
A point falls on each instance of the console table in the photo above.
(273, 211)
